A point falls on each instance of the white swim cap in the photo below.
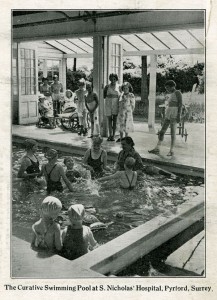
(51, 205)
(76, 212)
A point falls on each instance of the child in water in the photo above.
(71, 173)
(126, 178)
(53, 173)
(77, 238)
(46, 232)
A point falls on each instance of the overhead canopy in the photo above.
(37, 24)
(136, 43)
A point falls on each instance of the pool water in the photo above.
(121, 209)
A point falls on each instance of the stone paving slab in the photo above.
(190, 153)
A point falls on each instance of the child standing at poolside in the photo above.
(126, 108)
(91, 102)
(81, 107)
(53, 173)
(126, 178)
(46, 232)
(77, 238)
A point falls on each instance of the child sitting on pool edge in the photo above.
(71, 173)
(46, 232)
(127, 178)
(77, 238)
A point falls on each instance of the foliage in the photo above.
(167, 69)
(73, 77)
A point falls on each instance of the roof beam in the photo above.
(78, 55)
(195, 38)
(165, 52)
(159, 40)
(76, 46)
(129, 43)
(177, 40)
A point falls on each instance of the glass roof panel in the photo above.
(169, 40)
(199, 34)
(126, 46)
(137, 42)
(82, 45)
(60, 47)
(186, 38)
(152, 41)
(71, 46)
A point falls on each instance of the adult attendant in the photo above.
(172, 117)
(112, 94)
(128, 150)
(29, 165)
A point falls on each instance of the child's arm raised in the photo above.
(58, 238)
(104, 159)
(113, 176)
(65, 179)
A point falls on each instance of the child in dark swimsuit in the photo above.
(30, 165)
(77, 238)
(96, 158)
(71, 173)
(46, 232)
(126, 178)
(53, 173)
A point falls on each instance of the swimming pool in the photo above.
(121, 209)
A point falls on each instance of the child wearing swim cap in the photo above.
(46, 232)
(77, 238)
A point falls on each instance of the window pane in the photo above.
(28, 73)
(22, 63)
(32, 54)
(23, 86)
(22, 53)
(22, 72)
(28, 86)
(40, 64)
(27, 63)
(27, 53)
(32, 63)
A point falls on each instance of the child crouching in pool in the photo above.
(71, 173)
(77, 238)
(126, 178)
(46, 232)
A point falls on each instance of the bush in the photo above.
(73, 77)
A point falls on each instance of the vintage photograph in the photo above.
(108, 143)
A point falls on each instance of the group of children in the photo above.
(119, 105)
(74, 241)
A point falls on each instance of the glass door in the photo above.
(27, 70)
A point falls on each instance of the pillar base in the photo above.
(151, 129)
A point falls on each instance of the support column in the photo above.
(98, 77)
(144, 82)
(63, 77)
(152, 93)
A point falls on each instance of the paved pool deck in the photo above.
(189, 155)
